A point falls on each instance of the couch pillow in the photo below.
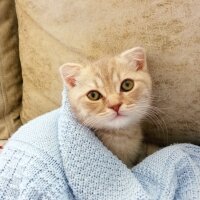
(52, 33)
(10, 71)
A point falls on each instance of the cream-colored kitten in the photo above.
(111, 96)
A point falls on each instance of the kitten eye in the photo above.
(127, 85)
(94, 95)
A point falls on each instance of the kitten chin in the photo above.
(111, 96)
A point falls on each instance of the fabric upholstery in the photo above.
(52, 33)
(10, 71)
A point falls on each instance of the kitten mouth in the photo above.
(118, 116)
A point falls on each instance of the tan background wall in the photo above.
(54, 32)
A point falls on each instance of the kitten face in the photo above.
(111, 93)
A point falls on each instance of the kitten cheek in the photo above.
(126, 108)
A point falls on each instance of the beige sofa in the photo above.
(53, 32)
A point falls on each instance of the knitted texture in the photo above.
(55, 157)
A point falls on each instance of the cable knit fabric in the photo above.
(54, 157)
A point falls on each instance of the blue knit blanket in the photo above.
(53, 157)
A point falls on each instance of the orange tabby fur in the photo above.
(120, 134)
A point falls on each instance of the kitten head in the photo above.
(111, 93)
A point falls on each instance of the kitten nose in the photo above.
(116, 107)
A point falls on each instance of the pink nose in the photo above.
(116, 107)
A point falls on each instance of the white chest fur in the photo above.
(125, 144)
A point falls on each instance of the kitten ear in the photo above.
(69, 73)
(135, 57)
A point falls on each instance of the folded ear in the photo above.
(69, 73)
(135, 57)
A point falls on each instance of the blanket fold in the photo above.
(55, 157)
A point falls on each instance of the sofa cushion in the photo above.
(75, 31)
(10, 71)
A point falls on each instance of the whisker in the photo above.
(152, 113)
(156, 122)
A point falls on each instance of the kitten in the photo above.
(111, 96)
